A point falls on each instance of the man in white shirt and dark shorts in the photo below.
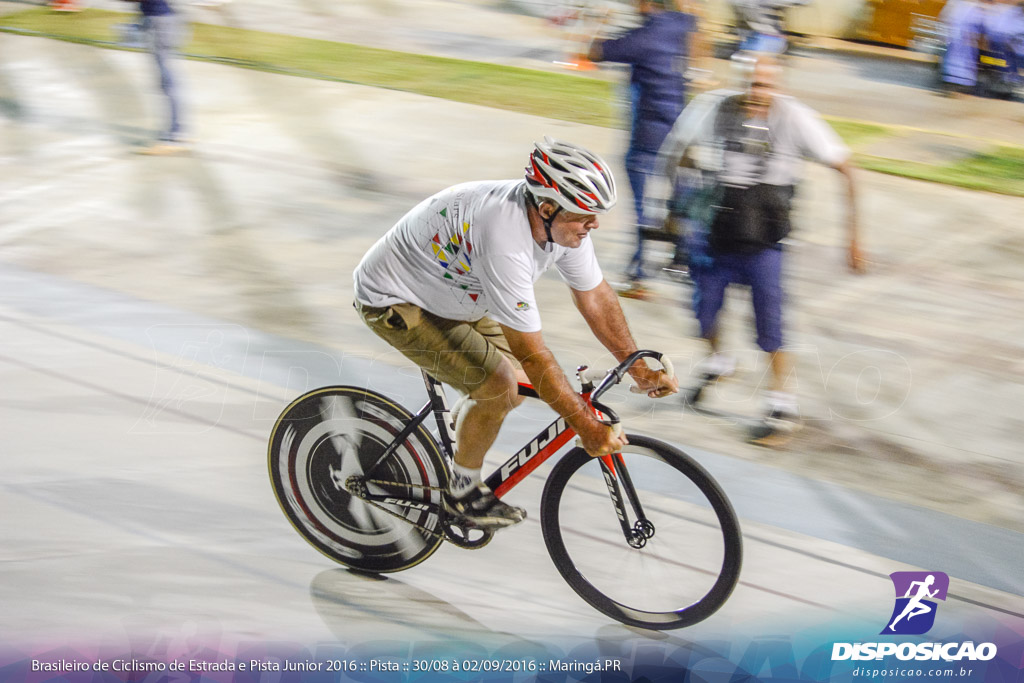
(451, 287)
(747, 149)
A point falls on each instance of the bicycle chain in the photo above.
(402, 517)
(399, 483)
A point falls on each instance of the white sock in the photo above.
(719, 363)
(782, 401)
(457, 409)
(463, 479)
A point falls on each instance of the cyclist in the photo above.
(451, 287)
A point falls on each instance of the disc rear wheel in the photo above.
(330, 435)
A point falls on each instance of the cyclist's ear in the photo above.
(551, 207)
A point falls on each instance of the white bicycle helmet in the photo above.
(576, 179)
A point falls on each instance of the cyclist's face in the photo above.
(570, 229)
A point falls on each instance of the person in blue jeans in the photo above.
(657, 52)
(164, 29)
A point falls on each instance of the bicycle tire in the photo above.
(350, 427)
(700, 535)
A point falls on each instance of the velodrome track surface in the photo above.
(157, 314)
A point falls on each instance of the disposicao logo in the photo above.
(914, 614)
(916, 593)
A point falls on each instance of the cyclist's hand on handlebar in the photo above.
(656, 383)
(599, 439)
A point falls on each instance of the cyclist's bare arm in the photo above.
(553, 387)
(601, 309)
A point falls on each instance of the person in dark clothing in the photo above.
(657, 52)
(1004, 31)
(978, 30)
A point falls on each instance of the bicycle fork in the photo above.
(617, 479)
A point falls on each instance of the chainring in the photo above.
(464, 535)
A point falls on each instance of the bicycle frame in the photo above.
(527, 459)
(531, 456)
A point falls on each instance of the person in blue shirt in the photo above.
(657, 52)
(165, 32)
(1004, 28)
(971, 24)
(963, 22)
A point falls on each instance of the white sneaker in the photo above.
(776, 429)
(717, 365)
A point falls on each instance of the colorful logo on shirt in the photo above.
(455, 256)
(522, 306)
(916, 592)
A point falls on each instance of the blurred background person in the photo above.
(972, 26)
(749, 148)
(761, 25)
(165, 30)
(658, 54)
(1004, 31)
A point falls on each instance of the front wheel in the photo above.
(330, 435)
(651, 541)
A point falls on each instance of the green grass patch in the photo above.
(86, 26)
(855, 133)
(554, 95)
(1000, 170)
(559, 96)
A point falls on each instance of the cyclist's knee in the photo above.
(500, 391)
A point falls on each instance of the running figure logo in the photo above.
(916, 593)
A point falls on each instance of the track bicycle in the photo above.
(646, 536)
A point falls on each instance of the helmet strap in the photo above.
(546, 221)
(547, 225)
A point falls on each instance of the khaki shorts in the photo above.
(454, 352)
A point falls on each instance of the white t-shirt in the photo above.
(797, 132)
(467, 252)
